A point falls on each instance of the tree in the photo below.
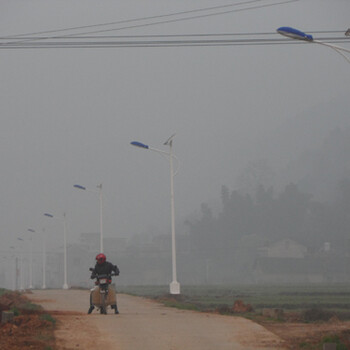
(291, 213)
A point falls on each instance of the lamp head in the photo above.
(294, 34)
(139, 144)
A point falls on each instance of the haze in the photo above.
(244, 115)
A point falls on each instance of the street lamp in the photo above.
(21, 267)
(44, 260)
(299, 35)
(15, 265)
(31, 259)
(65, 284)
(174, 285)
(101, 216)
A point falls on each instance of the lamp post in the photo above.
(99, 191)
(31, 259)
(15, 266)
(174, 285)
(65, 284)
(299, 35)
(44, 260)
(21, 279)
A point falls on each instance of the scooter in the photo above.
(103, 294)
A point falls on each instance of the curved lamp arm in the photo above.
(299, 35)
(163, 153)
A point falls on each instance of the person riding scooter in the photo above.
(103, 267)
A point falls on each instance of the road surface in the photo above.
(147, 325)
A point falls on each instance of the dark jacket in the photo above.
(104, 269)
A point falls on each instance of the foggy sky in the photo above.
(68, 115)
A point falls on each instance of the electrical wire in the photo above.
(138, 19)
(191, 17)
(159, 16)
(172, 35)
(176, 35)
(195, 40)
(86, 40)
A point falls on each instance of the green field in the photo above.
(335, 297)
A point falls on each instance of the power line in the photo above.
(159, 16)
(192, 17)
(167, 35)
(176, 41)
(138, 19)
(24, 41)
(153, 17)
(188, 40)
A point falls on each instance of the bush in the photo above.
(224, 310)
(48, 317)
(336, 340)
(15, 311)
(313, 315)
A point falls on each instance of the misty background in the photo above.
(262, 139)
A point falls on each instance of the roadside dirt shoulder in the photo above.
(309, 335)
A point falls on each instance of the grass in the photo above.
(182, 305)
(335, 339)
(333, 298)
(48, 317)
(15, 311)
(21, 308)
(29, 306)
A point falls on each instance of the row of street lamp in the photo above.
(31, 261)
(65, 282)
(174, 285)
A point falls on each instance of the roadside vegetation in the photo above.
(31, 327)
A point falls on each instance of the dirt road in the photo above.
(147, 325)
